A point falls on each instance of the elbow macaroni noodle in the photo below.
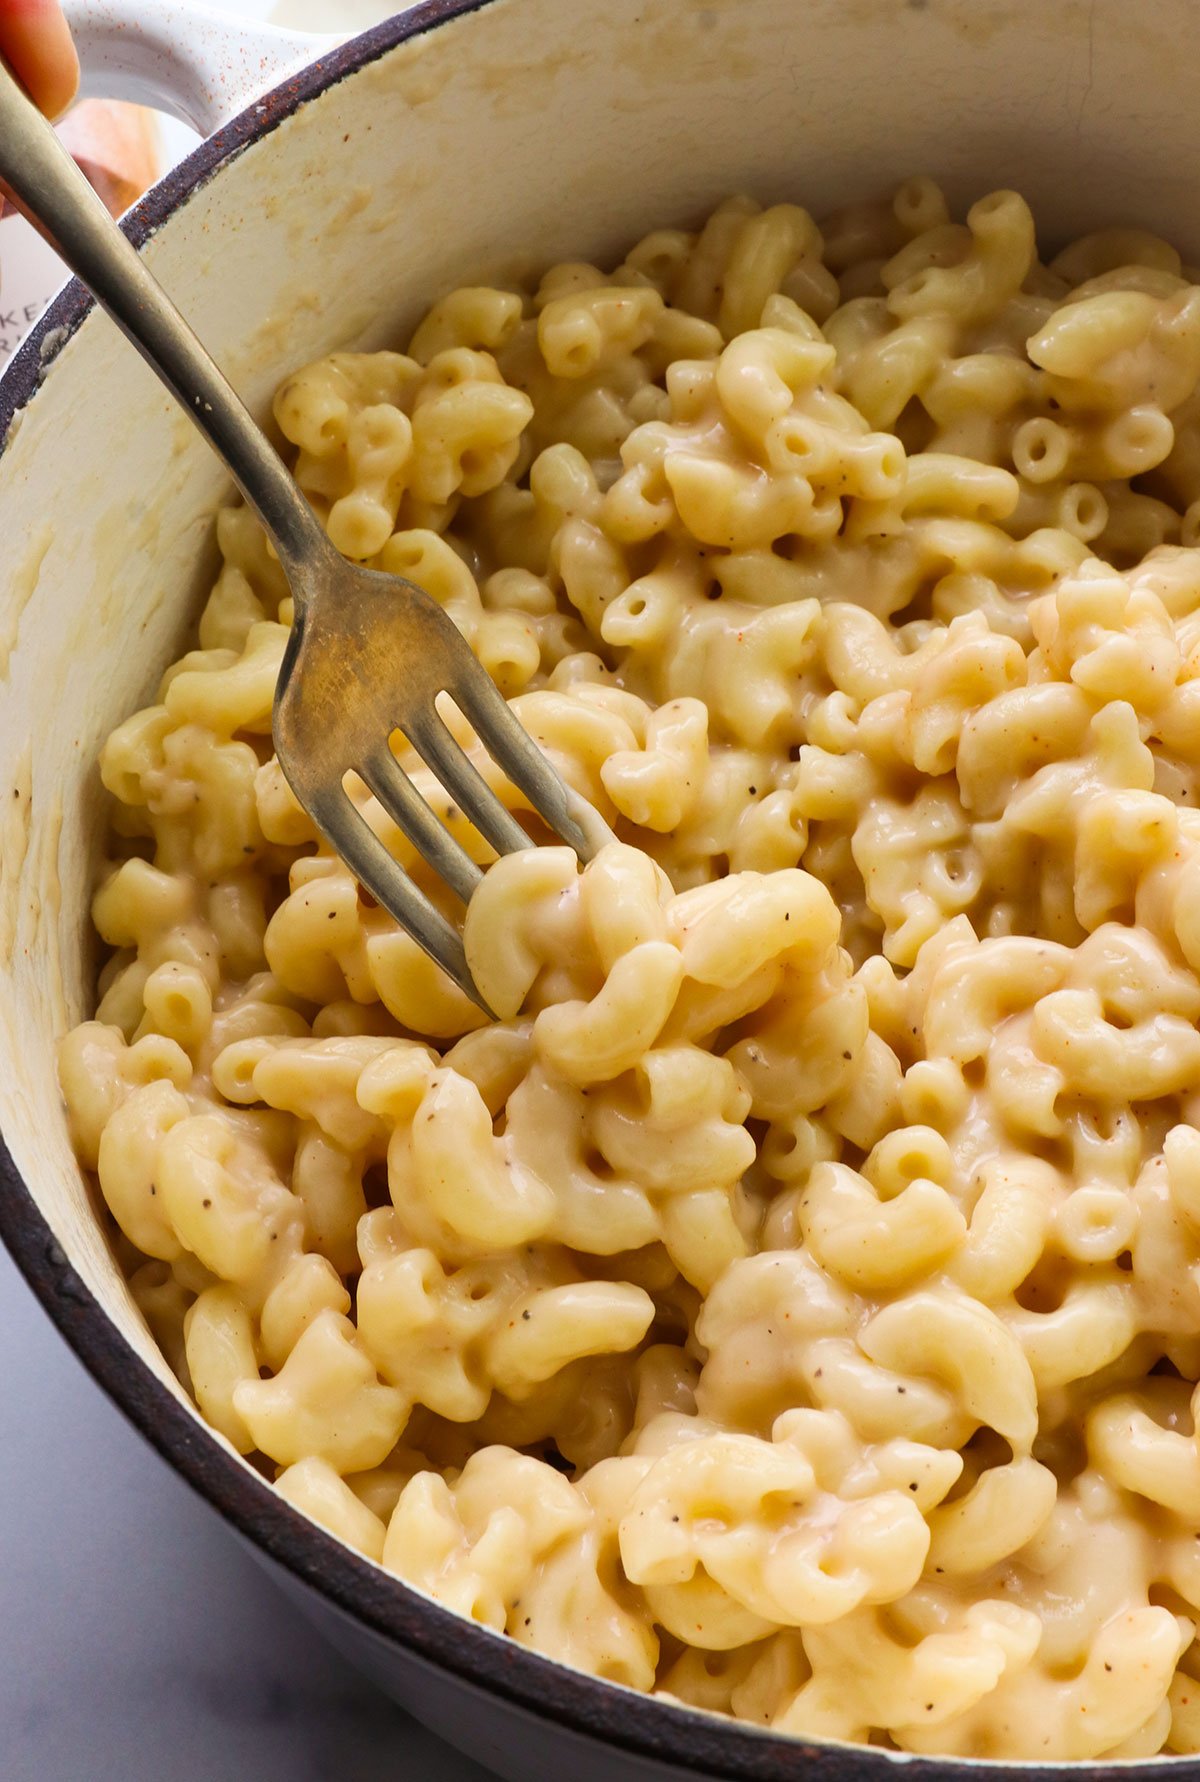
(792, 1303)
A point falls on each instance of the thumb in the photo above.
(36, 44)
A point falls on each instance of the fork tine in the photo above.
(348, 831)
(527, 766)
(428, 734)
(404, 804)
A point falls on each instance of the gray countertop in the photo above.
(138, 1641)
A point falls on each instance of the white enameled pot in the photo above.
(462, 140)
(200, 65)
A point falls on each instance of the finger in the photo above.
(36, 44)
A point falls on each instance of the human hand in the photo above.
(36, 44)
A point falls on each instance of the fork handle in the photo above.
(60, 203)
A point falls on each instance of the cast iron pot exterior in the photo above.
(519, 1714)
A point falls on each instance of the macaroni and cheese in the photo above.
(791, 1303)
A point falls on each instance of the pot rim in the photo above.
(704, 1744)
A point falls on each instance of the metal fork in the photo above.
(369, 653)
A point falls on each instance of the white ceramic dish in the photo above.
(466, 138)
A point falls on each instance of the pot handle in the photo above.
(200, 65)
